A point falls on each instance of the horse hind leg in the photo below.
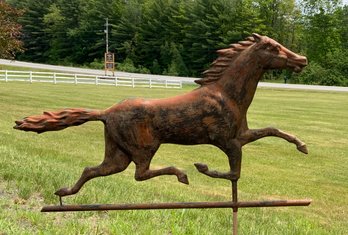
(203, 168)
(115, 161)
(234, 154)
(143, 172)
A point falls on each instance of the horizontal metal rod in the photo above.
(175, 205)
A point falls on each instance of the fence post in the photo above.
(115, 81)
(75, 79)
(133, 82)
(150, 83)
(54, 78)
(166, 83)
(96, 80)
(6, 79)
(180, 82)
(31, 76)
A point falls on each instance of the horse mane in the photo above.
(225, 57)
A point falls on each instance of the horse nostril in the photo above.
(297, 62)
(304, 61)
(301, 61)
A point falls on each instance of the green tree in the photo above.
(282, 20)
(91, 27)
(125, 33)
(212, 26)
(174, 61)
(322, 35)
(342, 15)
(9, 31)
(157, 28)
(180, 37)
(35, 39)
(54, 23)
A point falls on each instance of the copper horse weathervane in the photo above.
(215, 113)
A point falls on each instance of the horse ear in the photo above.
(257, 37)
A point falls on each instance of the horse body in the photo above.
(215, 113)
(199, 117)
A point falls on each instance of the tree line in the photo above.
(180, 37)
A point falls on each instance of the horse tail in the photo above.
(58, 120)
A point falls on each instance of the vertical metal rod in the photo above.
(235, 209)
(235, 223)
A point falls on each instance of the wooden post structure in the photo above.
(109, 63)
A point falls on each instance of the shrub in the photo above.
(317, 74)
(96, 64)
(128, 66)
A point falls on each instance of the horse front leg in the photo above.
(255, 134)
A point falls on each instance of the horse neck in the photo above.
(239, 82)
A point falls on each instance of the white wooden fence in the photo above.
(52, 77)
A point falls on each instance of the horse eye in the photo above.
(273, 48)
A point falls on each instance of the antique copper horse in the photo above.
(214, 113)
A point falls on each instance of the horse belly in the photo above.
(191, 130)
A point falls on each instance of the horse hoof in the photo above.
(183, 179)
(201, 167)
(303, 149)
(62, 192)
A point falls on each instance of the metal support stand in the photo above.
(234, 204)
(235, 208)
(174, 205)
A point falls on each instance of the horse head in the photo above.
(273, 55)
(269, 54)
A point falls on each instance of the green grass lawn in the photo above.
(33, 166)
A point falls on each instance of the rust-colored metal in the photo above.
(235, 208)
(176, 205)
(215, 113)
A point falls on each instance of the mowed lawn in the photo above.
(33, 166)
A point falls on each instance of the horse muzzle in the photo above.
(297, 63)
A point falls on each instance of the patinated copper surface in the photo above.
(215, 113)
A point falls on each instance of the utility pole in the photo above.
(107, 34)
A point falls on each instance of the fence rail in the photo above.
(52, 77)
